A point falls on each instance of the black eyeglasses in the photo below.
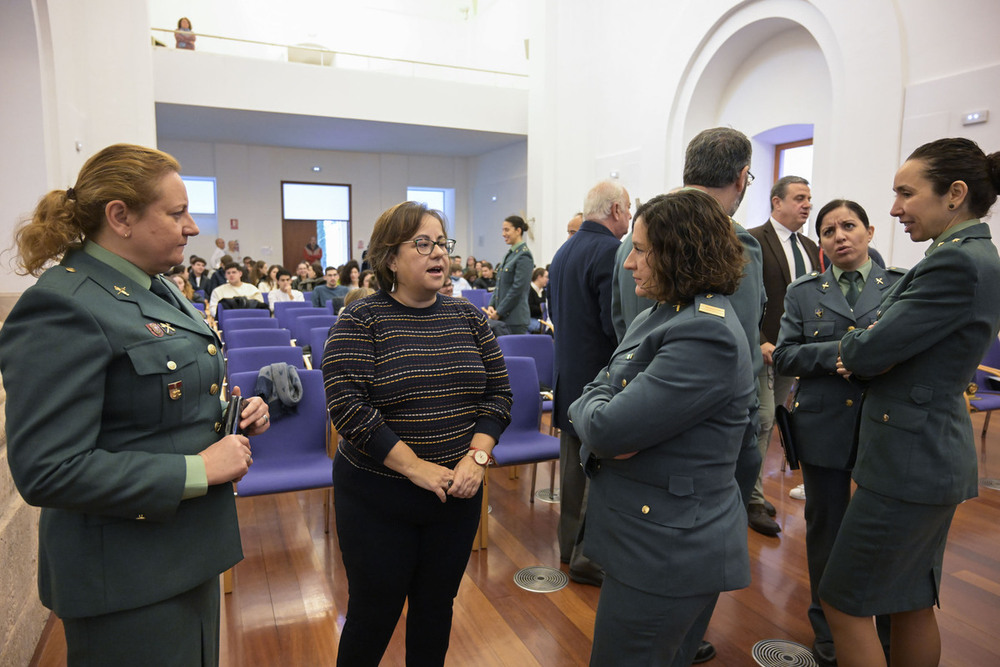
(426, 246)
(749, 177)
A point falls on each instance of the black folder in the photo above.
(783, 418)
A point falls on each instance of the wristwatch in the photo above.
(479, 456)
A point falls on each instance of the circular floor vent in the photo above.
(547, 495)
(540, 579)
(990, 483)
(782, 653)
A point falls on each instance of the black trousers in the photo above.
(399, 544)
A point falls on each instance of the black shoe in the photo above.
(824, 654)
(759, 520)
(704, 653)
(769, 508)
(591, 576)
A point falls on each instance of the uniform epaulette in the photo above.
(896, 269)
(705, 306)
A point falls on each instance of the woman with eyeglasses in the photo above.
(509, 303)
(417, 388)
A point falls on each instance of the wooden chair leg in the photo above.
(512, 472)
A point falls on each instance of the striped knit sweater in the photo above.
(431, 377)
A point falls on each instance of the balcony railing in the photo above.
(318, 55)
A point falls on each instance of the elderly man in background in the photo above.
(580, 285)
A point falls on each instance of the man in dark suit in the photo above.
(787, 255)
(580, 296)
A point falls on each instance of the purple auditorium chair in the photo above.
(244, 359)
(258, 338)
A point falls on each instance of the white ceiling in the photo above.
(211, 124)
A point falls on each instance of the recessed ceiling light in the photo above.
(317, 168)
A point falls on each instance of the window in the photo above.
(438, 199)
(794, 158)
(316, 209)
(202, 203)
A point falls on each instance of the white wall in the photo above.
(501, 174)
(249, 179)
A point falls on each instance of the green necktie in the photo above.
(851, 279)
(800, 265)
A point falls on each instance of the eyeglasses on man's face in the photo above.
(749, 177)
(425, 246)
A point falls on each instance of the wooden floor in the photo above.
(291, 592)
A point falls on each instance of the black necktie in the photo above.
(800, 265)
(159, 288)
(851, 279)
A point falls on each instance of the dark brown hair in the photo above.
(394, 226)
(65, 218)
(692, 247)
(852, 206)
(959, 159)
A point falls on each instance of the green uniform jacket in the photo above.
(108, 386)
(934, 327)
(510, 298)
(817, 315)
(670, 521)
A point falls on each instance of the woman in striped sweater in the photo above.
(417, 388)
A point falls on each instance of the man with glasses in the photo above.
(717, 161)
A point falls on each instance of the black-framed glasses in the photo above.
(426, 246)
(749, 177)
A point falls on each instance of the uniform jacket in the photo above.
(670, 520)
(777, 275)
(513, 280)
(824, 417)
(934, 327)
(580, 288)
(107, 386)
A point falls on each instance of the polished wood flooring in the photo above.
(290, 592)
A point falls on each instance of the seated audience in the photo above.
(233, 287)
(284, 291)
(330, 291)
(487, 280)
(458, 282)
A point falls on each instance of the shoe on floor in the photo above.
(758, 519)
(591, 576)
(824, 654)
(798, 493)
(769, 508)
(704, 653)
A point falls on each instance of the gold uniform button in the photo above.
(850, 328)
(212, 350)
(171, 365)
(141, 517)
(816, 333)
(885, 417)
(70, 269)
(645, 509)
(796, 404)
(849, 402)
(214, 389)
(624, 382)
(218, 426)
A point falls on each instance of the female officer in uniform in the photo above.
(819, 309)
(509, 302)
(661, 435)
(113, 414)
(916, 456)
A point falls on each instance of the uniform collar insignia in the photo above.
(121, 291)
(825, 285)
(819, 312)
(167, 328)
(880, 281)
